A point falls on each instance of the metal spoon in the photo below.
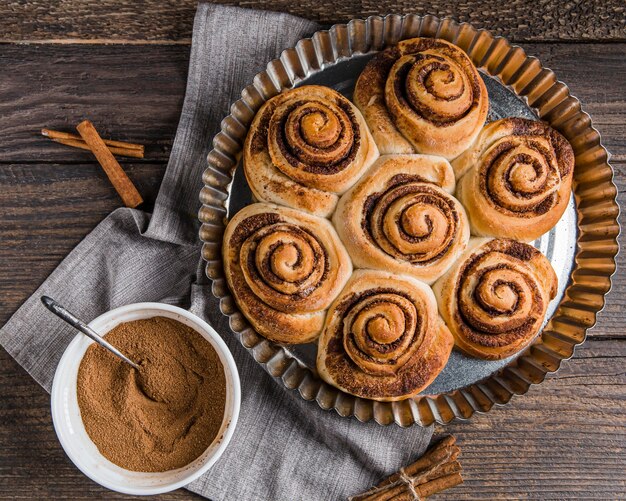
(75, 322)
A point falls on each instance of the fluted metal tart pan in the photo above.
(582, 247)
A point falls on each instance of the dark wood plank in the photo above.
(58, 86)
(32, 463)
(142, 103)
(128, 92)
(171, 21)
(46, 210)
(564, 439)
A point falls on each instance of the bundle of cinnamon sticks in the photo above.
(104, 149)
(437, 470)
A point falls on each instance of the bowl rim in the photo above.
(68, 360)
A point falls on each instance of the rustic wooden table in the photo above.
(123, 65)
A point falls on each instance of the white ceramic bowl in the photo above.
(69, 425)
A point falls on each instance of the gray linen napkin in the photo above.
(283, 447)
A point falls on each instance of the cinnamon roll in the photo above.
(516, 179)
(305, 147)
(284, 268)
(401, 217)
(383, 338)
(494, 299)
(422, 95)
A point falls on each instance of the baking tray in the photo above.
(582, 246)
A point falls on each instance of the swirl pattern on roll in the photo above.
(284, 268)
(383, 338)
(495, 298)
(516, 179)
(422, 95)
(401, 217)
(305, 147)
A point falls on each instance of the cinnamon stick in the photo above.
(55, 134)
(430, 488)
(439, 484)
(445, 447)
(121, 182)
(113, 149)
(419, 481)
(435, 471)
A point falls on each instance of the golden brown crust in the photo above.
(495, 298)
(400, 217)
(383, 338)
(284, 268)
(305, 147)
(422, 95)
(516, 179)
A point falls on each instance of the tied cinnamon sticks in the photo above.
(434, 472)
(104, 149)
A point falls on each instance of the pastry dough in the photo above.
(401, 217)
(422, 95)
(516, 179)
(305, 147)
(495, 298)
(284, 268)
(383, 338)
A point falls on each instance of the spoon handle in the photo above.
(78, 324)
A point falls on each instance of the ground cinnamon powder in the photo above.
(162, 417)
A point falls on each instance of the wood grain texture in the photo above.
(46, 210)
(32, 463)
(58, 86)
(565, 439)
(171, 21)
(129, 93)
